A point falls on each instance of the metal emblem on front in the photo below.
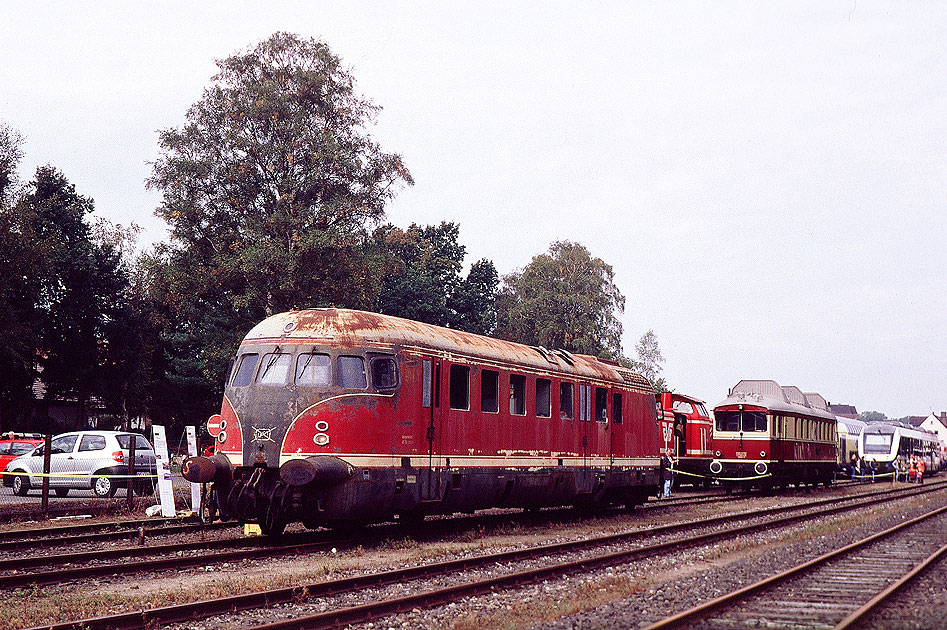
(263, 435)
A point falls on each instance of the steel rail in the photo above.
(161, 530)
(206, 608)
(699, 612)
(875, 602)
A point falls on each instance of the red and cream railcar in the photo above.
(687, 433)
(766, 435)
(333, 415)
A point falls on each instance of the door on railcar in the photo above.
(431, 407)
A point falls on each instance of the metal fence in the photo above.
(49, 481)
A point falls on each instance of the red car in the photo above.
(13, 445)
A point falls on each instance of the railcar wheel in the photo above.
(21, 485)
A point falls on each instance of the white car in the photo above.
(81, 460)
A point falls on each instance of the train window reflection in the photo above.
(728, 420)
(352, 373)
(244, 373)
(313, 370)
(275, 369)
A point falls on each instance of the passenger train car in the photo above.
(687, 433)
(332, 416)
(849, 432)
(882, 442)
(766, 435)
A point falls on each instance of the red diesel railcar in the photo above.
(687, 433)
(766, 435)
(332, 416)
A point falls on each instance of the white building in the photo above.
(937, 424)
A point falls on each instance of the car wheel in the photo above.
(21, 485)
(103, 487)
(61, 492)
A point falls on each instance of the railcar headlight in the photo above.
(223, 424)
(321, 439)
(761, 468)
(716, 467)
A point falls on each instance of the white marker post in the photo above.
(192, 451)
(165, 490)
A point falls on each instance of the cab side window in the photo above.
(384, 373)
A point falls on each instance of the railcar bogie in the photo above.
(333, 416)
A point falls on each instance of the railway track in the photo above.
(835, 590)
(16, 571)
(721, 527)
(20, 540)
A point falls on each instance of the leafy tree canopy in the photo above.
(872, 416)
(420, 278)
(649, 360)
(273, 179)
(563, 299)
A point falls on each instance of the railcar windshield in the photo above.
(878, 442)
(745, 421)
(313, 370)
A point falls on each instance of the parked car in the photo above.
(81, 460)
(12, 445)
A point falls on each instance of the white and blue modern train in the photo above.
(881, 443)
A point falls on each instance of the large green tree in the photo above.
(21, 265)
(563, 299)
(81, 294)
(420, 278)
(271, 190)
(273, 180)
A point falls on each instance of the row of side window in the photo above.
(314, 369)
(459, 394)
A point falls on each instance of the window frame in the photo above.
(567, 413)
(494, 383)
(520, 384)
(466, 383)
(547, 386)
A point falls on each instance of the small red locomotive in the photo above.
(766, 435)
(334, 416)
(687, 433)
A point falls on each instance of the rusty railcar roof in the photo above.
(354, 328)
(769, 394)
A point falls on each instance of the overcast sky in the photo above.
(767, 179)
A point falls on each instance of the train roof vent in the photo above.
(770, 389)
(794, 395)
(565, 356)
(816, 401)
(546, 354)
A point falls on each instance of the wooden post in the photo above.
(47, 445)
